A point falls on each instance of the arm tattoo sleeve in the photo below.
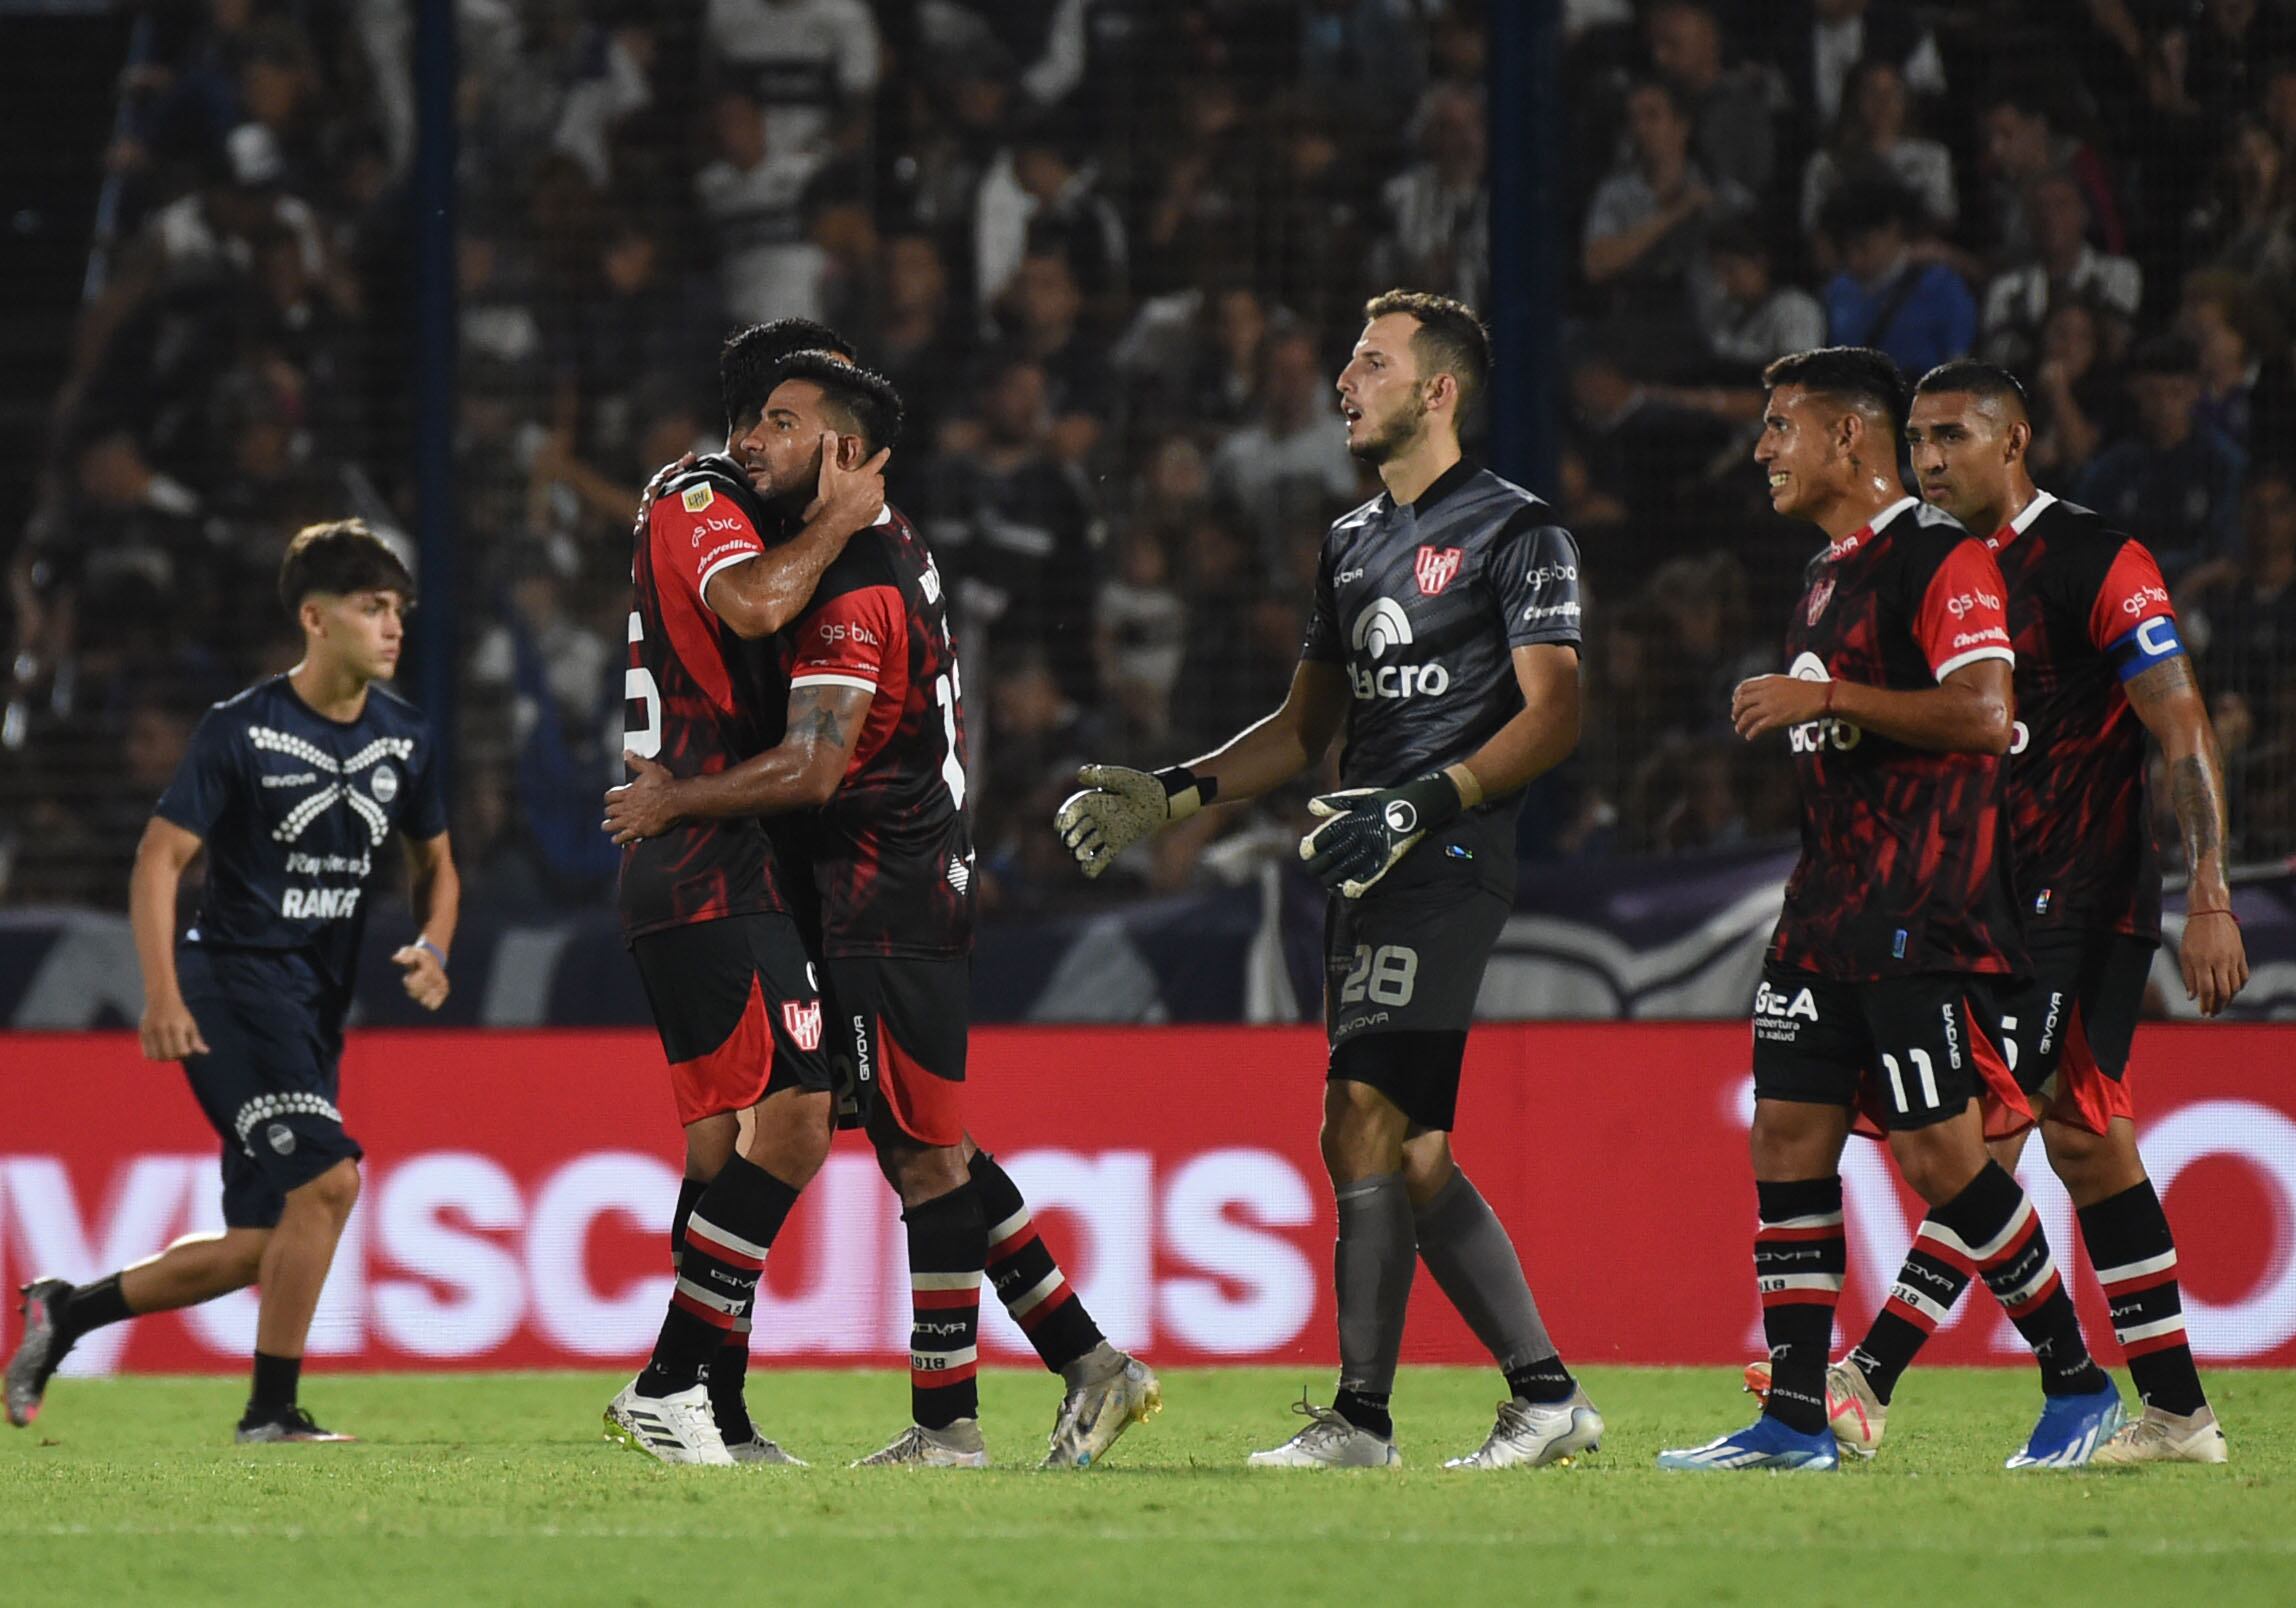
(2162, 682)
(2199, 811)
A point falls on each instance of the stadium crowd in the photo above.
(1112, 252)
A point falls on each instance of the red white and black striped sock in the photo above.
(2134, 1254)
(728, 1369)
(1937, 1269)
(723, 1256)
(1997, 1227)
(948, 1240)
(1799, 1256)
(1027, 1280)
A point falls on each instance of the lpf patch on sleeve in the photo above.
(698, 498)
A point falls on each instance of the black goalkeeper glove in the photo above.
(1366, 830)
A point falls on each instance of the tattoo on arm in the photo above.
(825, 729)
(2199, 808)
(2150, 689)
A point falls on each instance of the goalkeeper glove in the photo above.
(1366, 830)
(1119, 806)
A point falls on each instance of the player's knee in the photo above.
(333, 1193)
(1936, 1162)
(1362, 1132)
(1427, 1166)
(1792, 1139)
(2092, 1165)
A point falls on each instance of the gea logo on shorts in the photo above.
(1770, 1001)
(1380, 626)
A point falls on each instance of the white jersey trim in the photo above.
(1959, 660)
(824, 678)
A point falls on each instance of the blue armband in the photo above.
(2146, 644)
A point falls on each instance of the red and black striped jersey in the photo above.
(2087, 609)
(700, 699)
(891, 852)
(1905, 856)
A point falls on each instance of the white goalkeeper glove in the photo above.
(1118, 806)
(1366, 830)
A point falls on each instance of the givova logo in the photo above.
(1380, 626)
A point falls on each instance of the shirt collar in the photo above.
(2023, 522)
(1443, 485)
(1870, 529)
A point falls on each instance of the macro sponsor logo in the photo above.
(1382, 627)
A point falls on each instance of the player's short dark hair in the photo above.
(1450, 339)
(1968, 376)
(865, 398)
(749, 361)
(340, 557)
(1853, 374)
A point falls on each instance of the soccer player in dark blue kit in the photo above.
(293, 788)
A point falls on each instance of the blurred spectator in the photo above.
(2241, 614)
(1874, 138)
(1044, 311)
(2079, 397)
(1438, 233)
(2249, 223)
(1319, 215)
(1367, 55)
(813, 65)
(1730, 104)
(1821, 41)
(1141, 626)
(1203, 189)
(1753, 318)
(1038, 199)
(754, 200)
(2023, 145)
(2247, 389)
(1292, 457)
(1919, 312)
(1014, 527)
(2175, 483)
(613, 82)
(2018, 299)
(1646, 228)
(912, 337)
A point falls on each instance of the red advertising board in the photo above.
(519, 1184)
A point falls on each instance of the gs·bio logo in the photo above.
(1831, 731)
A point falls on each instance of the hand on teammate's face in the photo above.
(2215, 962)
(641, 807)
(169, 1033)
(1770, 703)
(851, 498)
(425, 978)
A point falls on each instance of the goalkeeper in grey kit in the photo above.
(1444, 643)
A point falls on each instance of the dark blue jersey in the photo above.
(296, 812)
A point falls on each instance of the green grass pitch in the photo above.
(472, 1488)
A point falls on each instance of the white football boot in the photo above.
(678, 1428)
(1534, 1434)
(1329, 1441)
(2160, 1437)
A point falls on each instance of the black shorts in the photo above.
(1908, 1052)
(269, 1083)
(2067, 1029)
(737, 1003)
(1402, 967)
(903, 1027)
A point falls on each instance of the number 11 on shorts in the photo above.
(1923, 1069)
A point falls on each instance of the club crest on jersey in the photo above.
(1820, 595)
(1435, 568)
(803, 1022)
(698, 498)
